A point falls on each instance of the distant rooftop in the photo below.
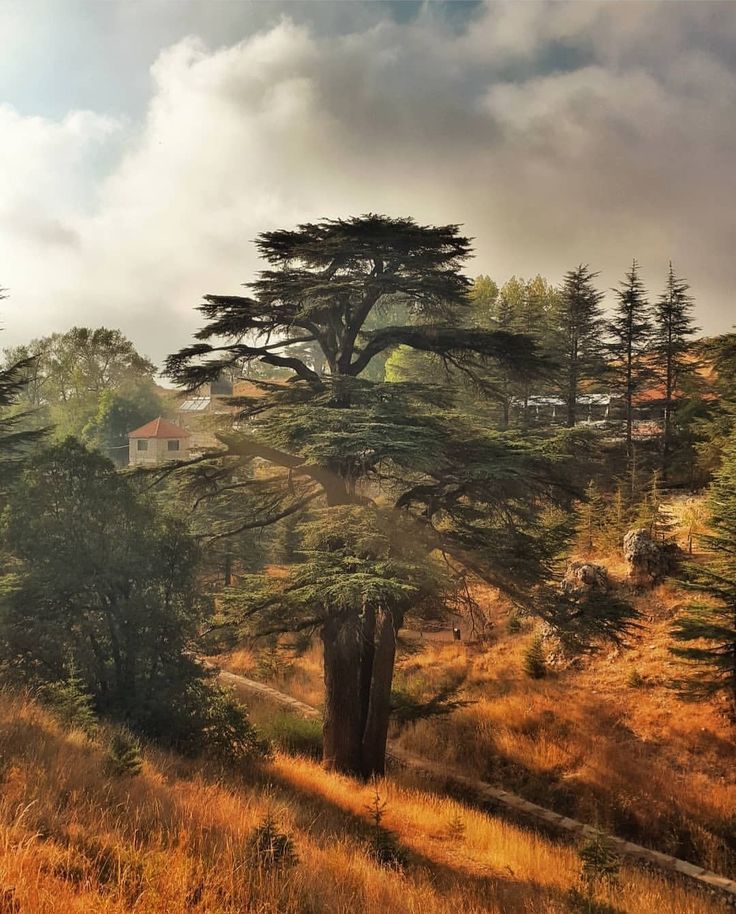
(159, 428)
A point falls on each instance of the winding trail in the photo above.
(493, 799)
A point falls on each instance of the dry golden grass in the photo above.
(74, 840)
(584, 741)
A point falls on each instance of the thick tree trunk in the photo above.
(379, 707)
(367, 654)
(342, 717)
(359, 655)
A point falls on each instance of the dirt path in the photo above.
(493, 798)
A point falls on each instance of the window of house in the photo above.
(173, 444)
(142, 444)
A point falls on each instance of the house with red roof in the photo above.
(156, 442)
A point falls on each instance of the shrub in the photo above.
(534, 663)
(514, 624)
(203, 718)
(270, 847)
(635, 680)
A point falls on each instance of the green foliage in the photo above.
(109, 581)
(407, 708)
(119, 411)
(15, 435)
(650, 511)
(391, 472)
(599, 864)
(534, 663)
(671, 349)
(630, 333)
(578, 335)
(67, 373)
(706, 631)
(124, 756)
(456, 828)
(269, 847)
(72, 704)
(591, 521)
(295, 735)
(514, 624)
(383, 846)
(273, 661)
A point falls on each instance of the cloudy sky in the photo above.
(144, 144)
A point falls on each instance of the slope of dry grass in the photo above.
(607, 741)
(74, 839)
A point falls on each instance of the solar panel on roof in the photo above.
(195, 404)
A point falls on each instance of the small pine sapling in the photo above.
(534, 663)
(124, 756)
(599, 864)
(383, 846)
(269, 846)
(72, 704)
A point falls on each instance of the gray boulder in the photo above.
(649, 560)
(582, 579)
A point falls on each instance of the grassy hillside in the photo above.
(176, 839)
(605, 740)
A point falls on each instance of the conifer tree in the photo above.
(336, 439)
(630, 332)
(706, 632)
(673, 330)
(578, 333)
(14, 436)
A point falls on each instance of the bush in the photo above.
(514, 624)
(635, 680)
(200, 717)
(534, 664)
(269, 847)
(124, 754)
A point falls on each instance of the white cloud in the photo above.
(627, 153)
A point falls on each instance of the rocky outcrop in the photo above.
(649, 560)
(583, 579)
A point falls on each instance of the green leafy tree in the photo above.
(578, 334)
(119, 412)
(341, 443)
(671, 349)
(484, 295)
(706, 632)
(68, 373)
(630, 332)
(106, 581)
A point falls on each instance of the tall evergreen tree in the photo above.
(578, 331)
(335, 439)
(15, 437)
(706, 632)
(630, 331)
(673, 331)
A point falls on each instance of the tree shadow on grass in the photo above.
(510, 892)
